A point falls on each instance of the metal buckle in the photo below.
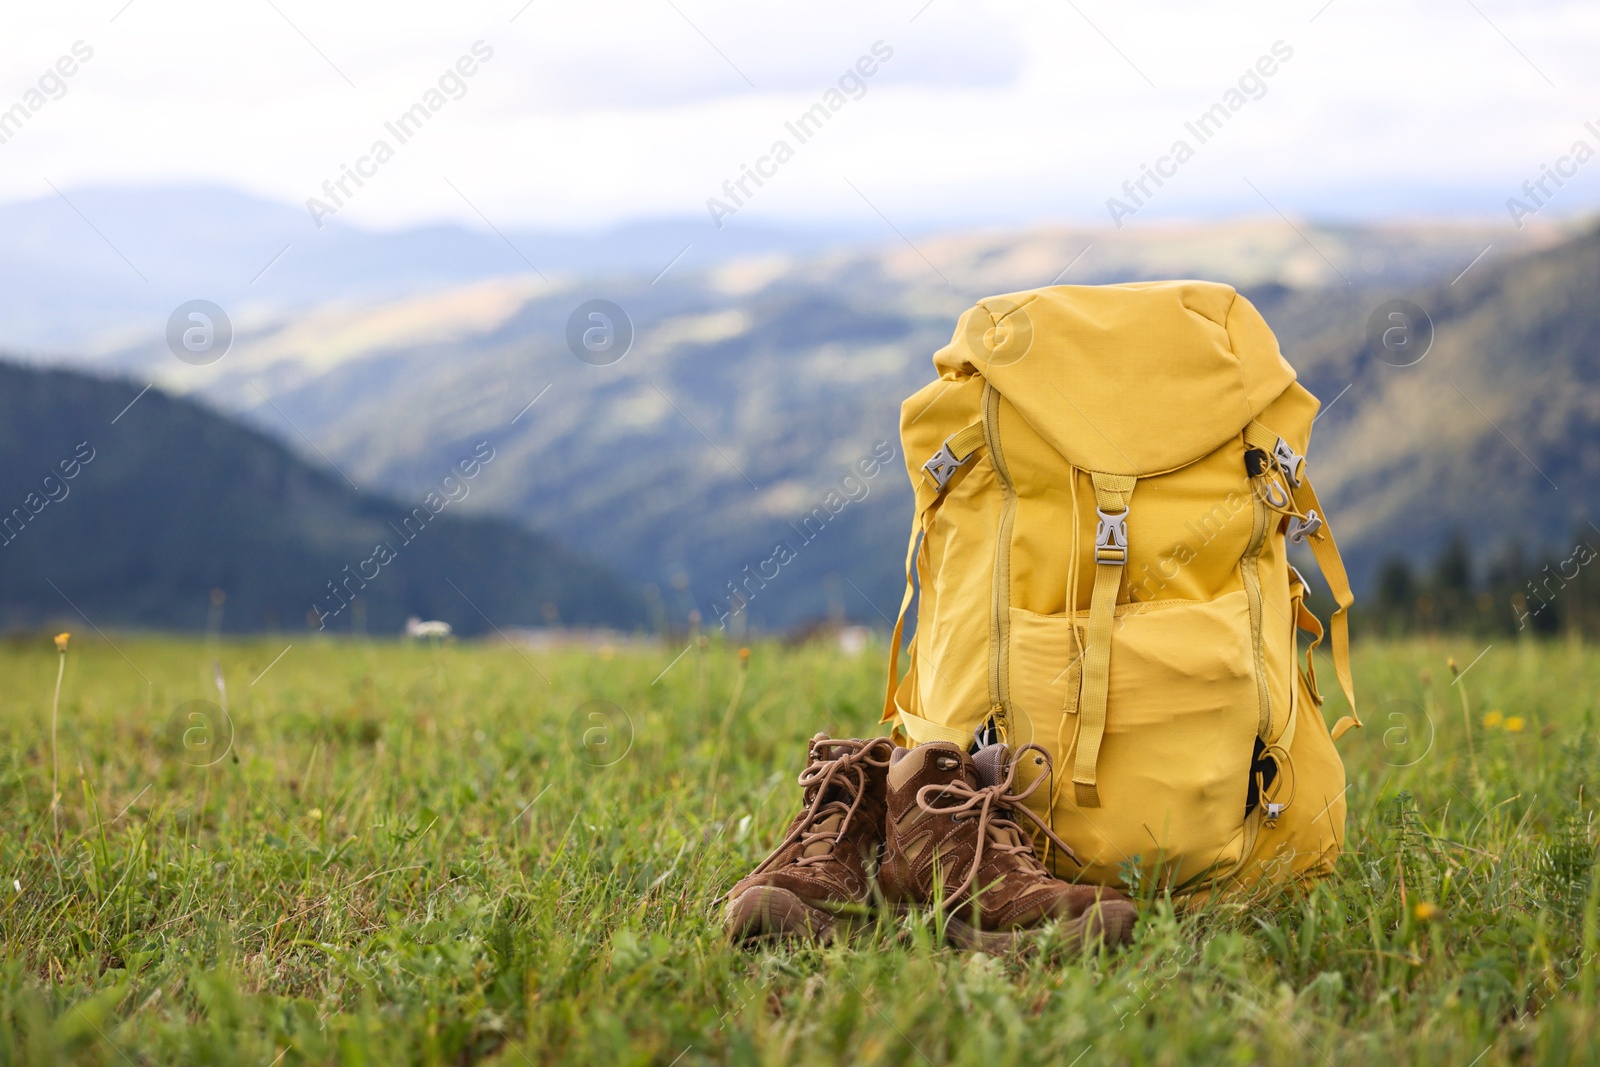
(1291, 463)
(1300, 529)
(1111, 537)
(1294, 572)
(942, 467)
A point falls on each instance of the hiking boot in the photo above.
(953, 837)
(821, 873)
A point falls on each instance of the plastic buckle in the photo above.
(942, 467)
(1300, 529)
(1291, 463)
(1111, 537)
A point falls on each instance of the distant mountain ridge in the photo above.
(128, 507)
(750, 390)
(753, 385)
(94, 264)
(1493, 435)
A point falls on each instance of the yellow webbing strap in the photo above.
(1329, 562)
(889, 709)
(959, 446)
(965, 441)
(1331, 565)
(1112, 493)
(1259, 436)
(1307, 620)
(921, 731)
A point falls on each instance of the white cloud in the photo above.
(623, 108)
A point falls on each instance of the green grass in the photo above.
(407, 856)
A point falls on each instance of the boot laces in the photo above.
(836, 780)
(993, 806)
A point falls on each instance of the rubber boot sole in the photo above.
(1108, 922)
(768, 912)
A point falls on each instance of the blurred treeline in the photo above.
(1512, 591)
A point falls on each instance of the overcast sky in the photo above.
(607, 110)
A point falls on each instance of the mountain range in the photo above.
(87, 269)
(758, 391)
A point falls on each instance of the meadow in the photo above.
(391, 853)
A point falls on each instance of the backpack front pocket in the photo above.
(1181, 718)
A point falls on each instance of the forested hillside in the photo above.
(129, 510)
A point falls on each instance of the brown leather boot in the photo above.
(821, 874)
(953, 837)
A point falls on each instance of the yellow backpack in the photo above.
(1105, 480)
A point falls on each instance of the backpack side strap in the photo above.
(1329, 562)
(1315, 531)
(890, 709)
(958, 448)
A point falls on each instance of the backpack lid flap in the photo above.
(1132, 379)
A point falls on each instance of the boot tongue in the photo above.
(836, 800)
(828, 825)
(990, 763)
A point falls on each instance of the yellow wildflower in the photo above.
(1493, 719)
(1424, 911)
(61, 642)
(1515, 724)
